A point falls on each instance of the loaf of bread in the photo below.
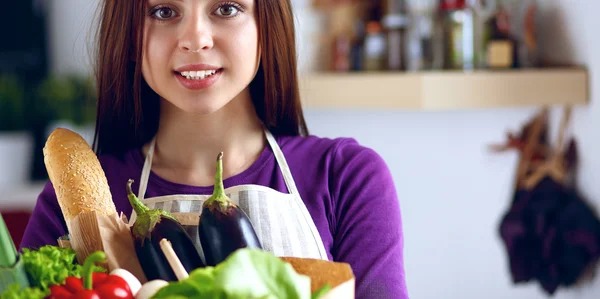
(337, 275)
(75, 172)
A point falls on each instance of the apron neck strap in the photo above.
(146, 170)
(281, 161)
(283, 166)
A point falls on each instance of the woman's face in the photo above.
(200, 54)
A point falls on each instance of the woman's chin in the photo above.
(197, 106)
(198, 103)
(202, 111)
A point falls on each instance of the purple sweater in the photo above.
(346, 187)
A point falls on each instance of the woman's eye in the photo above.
(164, 13)
(227, 10)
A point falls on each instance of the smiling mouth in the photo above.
(199, 75)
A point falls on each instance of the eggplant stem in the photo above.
(136, 204)
(219, 190)
(146, 218)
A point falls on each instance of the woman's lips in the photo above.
(195, 80)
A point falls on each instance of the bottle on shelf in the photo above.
(501, 48)
(458, 23)
(374, 47)
(462, 34)
(420, 36)
(395, 22)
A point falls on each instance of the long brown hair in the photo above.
(128, 109)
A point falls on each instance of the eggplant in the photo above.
(223, 226)
(151, 226)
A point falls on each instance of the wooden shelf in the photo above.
(446, 89)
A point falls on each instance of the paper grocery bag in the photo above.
(118, 245)
(92, 232)
(63, 242)
(85, 235)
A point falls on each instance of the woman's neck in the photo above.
(187, 145)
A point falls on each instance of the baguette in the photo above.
(79, 181)
(322, 272)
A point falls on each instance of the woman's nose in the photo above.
(196, 36)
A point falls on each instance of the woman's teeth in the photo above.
(197, 75)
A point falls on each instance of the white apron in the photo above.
(281, 220)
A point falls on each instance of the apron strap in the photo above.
(283, 166)
(289, 181)
(146, 170)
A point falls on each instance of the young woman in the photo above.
(180, 81)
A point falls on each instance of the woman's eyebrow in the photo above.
(160, 0)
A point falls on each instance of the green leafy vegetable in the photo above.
(248, 274)
(321, 292)
(51, 265)
(14, 291)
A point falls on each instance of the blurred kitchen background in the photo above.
(430, 85)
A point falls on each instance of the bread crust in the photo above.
(79, 181)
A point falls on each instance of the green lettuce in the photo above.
(47, 266)
(14, 291)
(247, 274)
(50, 265)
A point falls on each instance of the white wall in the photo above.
(452, 190)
